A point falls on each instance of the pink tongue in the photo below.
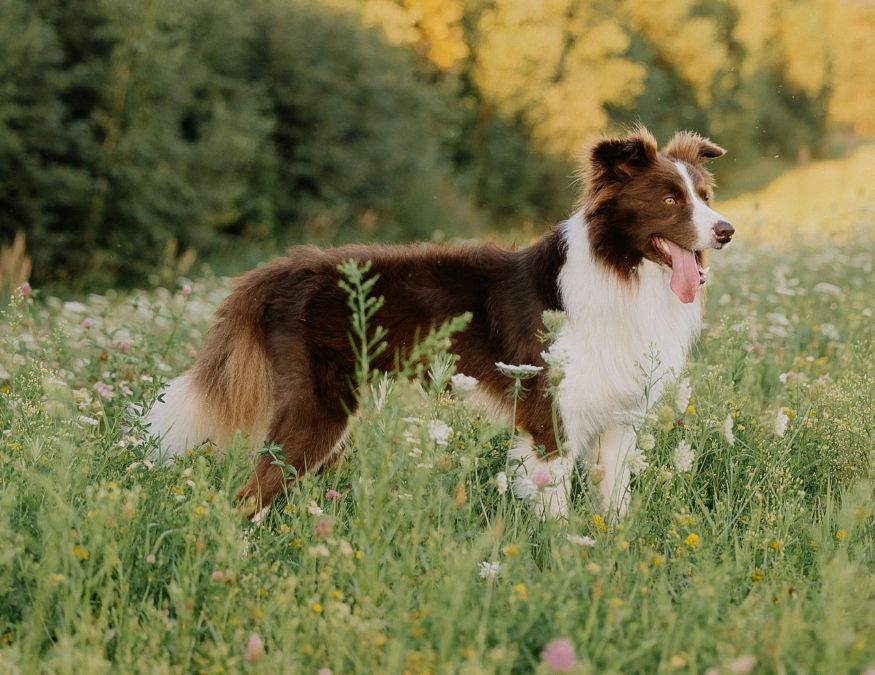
(684, 272)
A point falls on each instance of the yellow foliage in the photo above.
(852, 37)
(557, 64)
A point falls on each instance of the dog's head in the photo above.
(642, 203)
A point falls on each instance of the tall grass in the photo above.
(761, 557)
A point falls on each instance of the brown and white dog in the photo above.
(626, 269)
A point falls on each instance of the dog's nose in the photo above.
(723, 232)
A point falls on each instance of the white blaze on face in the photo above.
(704, 217)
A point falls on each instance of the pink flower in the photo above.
(56, 365)
(558, 656)
(323, 528)
(104, 390)
(325, 671)
(88, 322)
(331, 495)
(254, 648)
(217, 576)
(541, 478)
(124, 345)
(192, 354)
(186, 289)
(25, 289)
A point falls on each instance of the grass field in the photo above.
(758, 558)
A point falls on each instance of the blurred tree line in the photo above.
(130, 130)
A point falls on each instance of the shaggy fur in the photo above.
(278, 364)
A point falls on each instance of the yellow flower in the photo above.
(521, 591)
(841, 534)
(511, 550)
(657, 560)
(317, 608)
(776, 544)
(80, 552)
(592, 568)
(359, 555)
(200, 510)
(599, 523)
(692, 540)
(756, 575)
(691, 409)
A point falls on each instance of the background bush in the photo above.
(132, 131)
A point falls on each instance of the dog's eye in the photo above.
(669, 200)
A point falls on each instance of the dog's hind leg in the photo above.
(309, 435)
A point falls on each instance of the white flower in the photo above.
(636, 461)
(830, 331)
(501, 482)
(647, 442)
(728, 423)
(74, 307)
(827, 289)
(580, 541)
(490, 570)
(463, 383)
(557, 356)
(684, 456)
(682, 401)
(781, 421)
(520, 372)
(439, 431)
(90, 421)
(314, 509)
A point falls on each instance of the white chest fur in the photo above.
(623, 342)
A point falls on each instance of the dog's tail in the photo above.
(230, 387)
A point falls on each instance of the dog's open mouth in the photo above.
(687, 273)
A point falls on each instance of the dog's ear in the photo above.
(690, 147)
(623, 157)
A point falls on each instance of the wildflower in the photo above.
(319, 551)
(325, 671)
(756, 576)
(522, 592)
(463, 383)
(682, 400)
(647, 442)
(186, 290)
(254, 648)
(511, 550)
(332, 495)
(104, 390)
(323, 528)
(728, 423)
(684, 456)
(440, 432)
(88, 322)
(317, 608)
(780, 426)
(665, 418)
(827, 289)
(554, 319)
(489, 570)
(596, 474)
(592, 568)
(599, 522)
(841, 534)
(636, 461)
(25, 289)
(90, 421)
(541, 478)
(501, 482)
(519, 372)
(742, 665)
(830, 331)
(150, 559)
(81, 552)
(559, 656)
(218, 576)
(314, 509)
(580, 541)
(692, 540)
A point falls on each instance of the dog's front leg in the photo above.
(609, 474)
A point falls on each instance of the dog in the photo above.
(626, 269)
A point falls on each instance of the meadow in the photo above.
(750, 546)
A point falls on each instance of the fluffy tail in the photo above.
(231, 385)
